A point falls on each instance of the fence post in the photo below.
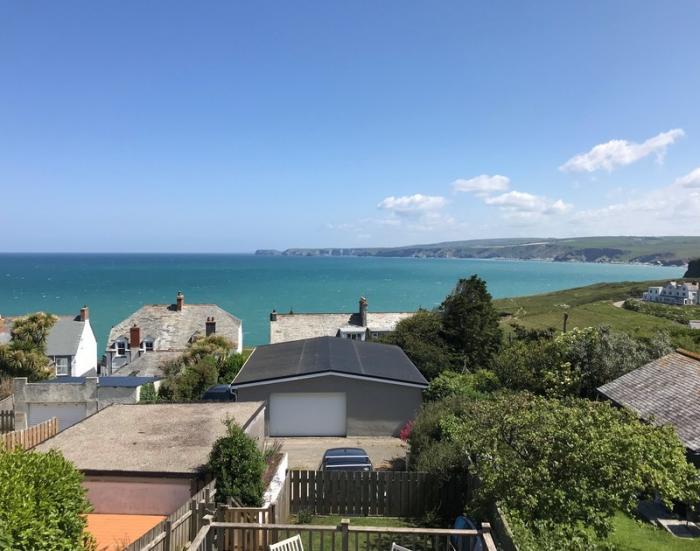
(486, 534)
(168, 535)
(344, 534)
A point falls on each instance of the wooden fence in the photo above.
(7, 420)
(180, 527)
(383, 493)
(221, 536)
(33, 436)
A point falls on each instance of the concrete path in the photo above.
(306, 452)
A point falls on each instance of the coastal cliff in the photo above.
(665, 251)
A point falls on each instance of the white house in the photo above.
(673, 293)
(158, 332)
(70, 344)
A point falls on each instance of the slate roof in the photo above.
(107, 381)
(173, 330)
(149, 438)
(328, 355)
(291, 327)
(666, 392)
(148, 364)
(64, 337)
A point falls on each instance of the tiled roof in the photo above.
(666, 392)
(172, 329)
(148, 364)
(292, 327)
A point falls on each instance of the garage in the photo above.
(332, 387)
(67, 413)
(307, 414)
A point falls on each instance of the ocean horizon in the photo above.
(114, 285)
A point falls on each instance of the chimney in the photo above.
(273, 315)
(179, 301)
(363, 311)
(210, 326)
(135, 337)
(84, 313)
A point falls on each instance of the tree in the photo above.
(470, 323)
(238, 466)
(569, 463)
(575, 363)
(42, 503)
(450, 383)
(420, 337)
(31, 332)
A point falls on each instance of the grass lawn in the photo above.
(365, 542)
(591, 306)
(631, 535)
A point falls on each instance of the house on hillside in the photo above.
(165, 330)
(70, 344)
(684, 293)
(327, 386)
(149, 459)
(664, 392)
(362, 325)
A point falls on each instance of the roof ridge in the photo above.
(688, 354)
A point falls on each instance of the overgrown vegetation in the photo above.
(42, 503)
(24, 355)
(238, 466)
(207, 362)
(679, 314)
(560, 466)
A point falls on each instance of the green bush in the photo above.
(42, 503)
(148, 393)
(238, 466)
(450, 383)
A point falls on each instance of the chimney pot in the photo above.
(84, 313)
(179, 301)
(210, 326)
(273, 315)
(363, 311)
(135, 337)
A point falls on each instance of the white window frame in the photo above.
(60, 365)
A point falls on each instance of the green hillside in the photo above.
(669, 251)
(594, 305)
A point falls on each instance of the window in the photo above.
(62, 366)
(148, 345)
(121, 348)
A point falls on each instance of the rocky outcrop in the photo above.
(693, 268)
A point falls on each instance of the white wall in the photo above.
(86, 356)
(136, 495)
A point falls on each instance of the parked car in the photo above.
(346, 459)
(219, 393)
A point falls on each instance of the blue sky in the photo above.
(231, 126)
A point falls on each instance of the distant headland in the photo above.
(663, 251)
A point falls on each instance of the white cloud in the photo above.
(616, 153)
(692, 179)
(519, 202)
(482, 185)
(412, 205)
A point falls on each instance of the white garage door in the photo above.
(307, 414)
(68, 414)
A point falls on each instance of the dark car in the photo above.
(346, 459)
(219, 393)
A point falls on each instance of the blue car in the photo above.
(346, 459)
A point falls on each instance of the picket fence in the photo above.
(33, 436)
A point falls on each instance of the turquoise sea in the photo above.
(114, 285)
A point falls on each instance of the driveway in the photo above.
(305, 452)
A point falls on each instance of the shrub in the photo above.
(148, 393)
(42, 503)
(450, 383)
(238, 466)
(406, 431)
(305, 516)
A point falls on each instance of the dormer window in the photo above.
(148, 345)
(121, 347)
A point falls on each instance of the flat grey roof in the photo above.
(329, 355)
(665, 392)
(106, 381)
(149, 438)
